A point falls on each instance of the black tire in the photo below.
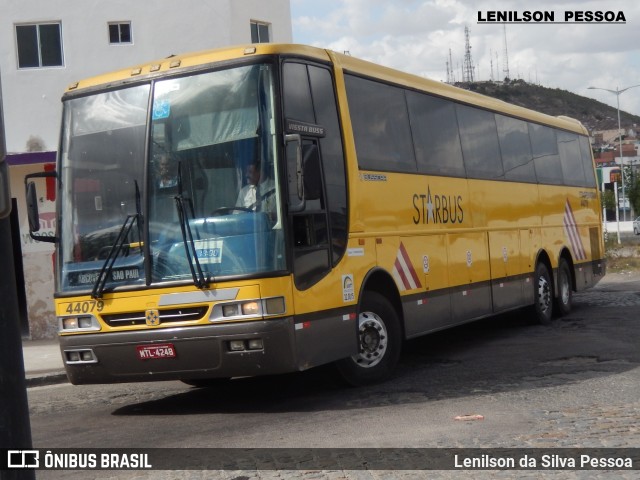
(564, 301)
(207, 382)
(542, 295)
(379, 343)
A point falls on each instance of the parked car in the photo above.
(636, 226)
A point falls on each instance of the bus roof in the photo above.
(346, 62)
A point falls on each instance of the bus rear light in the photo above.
(74, 357)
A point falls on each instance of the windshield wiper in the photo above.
(200, 280)
(116, 248)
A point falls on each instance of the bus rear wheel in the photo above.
(379, 343)
(564, 302)
(543, 295)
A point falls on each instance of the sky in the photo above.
(416, 36)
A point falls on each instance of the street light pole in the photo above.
(617, 91)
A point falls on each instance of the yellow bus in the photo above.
(269, 208)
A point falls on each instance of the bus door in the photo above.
(317, 202)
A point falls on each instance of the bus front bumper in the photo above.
(185, 353)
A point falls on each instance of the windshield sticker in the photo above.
(161, 109)
(209, 251)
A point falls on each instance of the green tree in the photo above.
(634, 193)
(608, 200)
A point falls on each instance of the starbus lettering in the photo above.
(437, 209)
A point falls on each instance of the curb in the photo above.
(52, 378)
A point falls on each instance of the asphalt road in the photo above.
(572, 384)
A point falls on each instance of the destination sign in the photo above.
(116, 275)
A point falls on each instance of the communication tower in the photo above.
(468, 68)
(506, 55)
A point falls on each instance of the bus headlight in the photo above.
(251, 308)
(78, 323)
(230, 310)
(248, 309)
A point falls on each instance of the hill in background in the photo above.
(594, 115)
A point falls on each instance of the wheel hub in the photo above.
(544, 294)
(372, 340)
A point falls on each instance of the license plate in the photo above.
(151, 352)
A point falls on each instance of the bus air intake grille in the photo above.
(173, 315)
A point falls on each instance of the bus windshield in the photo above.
(171, 181)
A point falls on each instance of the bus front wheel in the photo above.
(379, 343)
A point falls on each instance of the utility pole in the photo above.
(15, 428)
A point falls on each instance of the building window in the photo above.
(39, 45)
(259, 32)
(119, 32)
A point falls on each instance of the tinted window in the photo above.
(27, 39)
(39, 45)
(515, 147)
(297, 100)
(570, 159)
(479, 139)
(324, 103)
(587, 162)
(51, 47)
(119, 33)
(380, 126)
(435, 135)
(544, 147)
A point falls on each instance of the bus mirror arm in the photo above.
(33, 215)
(294, 137)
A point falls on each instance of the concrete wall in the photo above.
(31, 97)
(159, 28)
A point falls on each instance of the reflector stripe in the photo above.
(403, 272)
(571, 231)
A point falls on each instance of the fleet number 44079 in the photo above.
(88, 306)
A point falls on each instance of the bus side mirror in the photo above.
(308, 183)
(5, 193)
(33, 215)
(312, 174)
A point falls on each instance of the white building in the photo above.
(45, 45)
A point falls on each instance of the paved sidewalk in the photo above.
(43, 362)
